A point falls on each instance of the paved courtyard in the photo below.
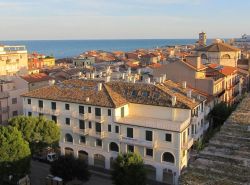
(39, 171)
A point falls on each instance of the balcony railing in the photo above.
(135, 141)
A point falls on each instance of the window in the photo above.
(116, 129)
(168, 137)
(40, 103)
(67, 106)
(90, 124)
(149, 135)
(68, 138)
(130, 132)
(98, 111)
(81, 124)
(14, 113)
(149, 152)
(29, 101)
(192, 129)
(122, 112)
(40, 114)
(54, 118)
(82, 139)
(134, 93)
(89, 109)
(168, 157)
(81, 109)
(98, 127)
(99, 142)
(109, 112)
(67, 121)
(130, 148)
(188, 131)
(109, 128)
(113, 147)
(53, 105)
(29, 113)
(145, 93)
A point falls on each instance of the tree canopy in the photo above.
(15, 153)
(69, 168)
(128, 169)
(36, 130)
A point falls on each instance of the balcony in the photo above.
(135, 141)
(153, 122)
(78, 115)
(95, 134)
(81, 131)
(187, 145)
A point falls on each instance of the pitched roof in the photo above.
(219, 47)
(225, 70)
(36, 77)
(115, 94)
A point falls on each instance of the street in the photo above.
(39, 171)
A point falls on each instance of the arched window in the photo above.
(203, 56)
(168, 157)
(113, 147)
(226, 56)
(68, 138)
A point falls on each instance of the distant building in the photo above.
(219, 53)
(100, 119)
(39, 61)
(202, 39)
(36, 81)
(83, 61)
(13, 60)
(10, 101)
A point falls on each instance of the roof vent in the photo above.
(184, 84)
(189, 93)
(173, 100)
(99, 86)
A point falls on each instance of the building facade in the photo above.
(39, 61)
(100, 119)
(10, 100)
(13, 60)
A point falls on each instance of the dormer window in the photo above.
(145, 93)
(134, 93)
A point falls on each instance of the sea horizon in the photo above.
(71, 48)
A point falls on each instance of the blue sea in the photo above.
(71, 48)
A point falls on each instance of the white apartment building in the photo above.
(100, 119)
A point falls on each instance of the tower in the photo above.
(202, 39)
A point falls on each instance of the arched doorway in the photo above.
(168, 157)
(113, 147)
(69, 151)
(68, 138)
(83, 155)
(99, 161)
(168, 176)
(151, 172)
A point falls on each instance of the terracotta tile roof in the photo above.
(189, 64)
(225, 70)
(219, 47)
(36, 77)
(116, 94)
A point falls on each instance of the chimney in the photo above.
(87, 99)
(133, 79)
(100, 74)
(99, 86)
(107, 79)
(147, 80)
(88, 75)
(139, 71)
(164, 77)
(189, 93)
(92, 75)
(129, 70)
(123, 76)
(194, 61)
(184, 84)
(173, 100)
(117, 69)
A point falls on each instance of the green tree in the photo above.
(69, 168)
(129, 170)
(38, 131)
(14, 154)
(220, 113)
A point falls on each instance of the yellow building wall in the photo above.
(49, 62)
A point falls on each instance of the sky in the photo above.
(122, 19)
